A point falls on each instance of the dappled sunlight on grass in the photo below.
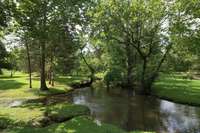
(20, 116)
(76, 125)
(62, 112)
(177, 88)
(35, 114)
(18, 87)
(10, 84)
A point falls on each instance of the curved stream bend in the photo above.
(138, 112)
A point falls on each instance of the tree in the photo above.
(90, 67)
(51, 24)
(184, 55)
(3, 55)
(141, 32)
(6, 8)
(6, 12)
(27, 46)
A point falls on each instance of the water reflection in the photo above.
(139, 112)
(180, 118)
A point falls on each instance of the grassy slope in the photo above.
(177, 88)
(76, 125)
(33, 115)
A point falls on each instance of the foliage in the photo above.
(134, 35)
(184, 55)
(127, 39)
(115, 75)
(6, 8)
(3, 55)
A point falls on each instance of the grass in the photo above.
(76, 125)
(80, 124)
(177, 88)
(18, 88)
(64, 112)
(35, 115)
(20, 116)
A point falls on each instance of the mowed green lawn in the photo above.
(17, 87)
(178, 88)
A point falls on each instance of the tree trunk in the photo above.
(52, 78)
(51, 72)
(43, 85)
(147, 84)
(108, 86)
(11, 73)
(129, 66)
(49, 76)
(144, 83)
(29, 64)
(1, 71)
(92, 71)
(92, 77)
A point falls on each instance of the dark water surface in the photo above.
(138, 112)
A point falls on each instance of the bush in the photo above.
(114, 76)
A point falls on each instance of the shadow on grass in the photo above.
(7, 122)
(33, 103)
(76, 125)
(180, 83)
(52, 114)
(176, 81)
(178, 89)
(64, 112)
(10, 84)
(54, 91)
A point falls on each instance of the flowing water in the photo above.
(134, 112)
